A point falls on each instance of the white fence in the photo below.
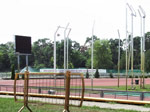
(73, 70)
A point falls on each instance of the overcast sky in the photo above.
(40, 18)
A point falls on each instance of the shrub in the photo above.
(111, 75)
(136, 76)
(87, 74)
(96, 74)
(146, 76)
(130, 76)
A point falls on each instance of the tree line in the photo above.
(105, 54)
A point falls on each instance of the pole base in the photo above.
(66, 110)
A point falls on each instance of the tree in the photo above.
(147, 62)
(77, 58)
(96, 74)
(147, 41)
(4, 58)
(43, 53)
(13, 72)
(87, 74)
(102, 54)
(114, 45)
(137, 53)
(123, 61)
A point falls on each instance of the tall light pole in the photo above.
(118, 59)
(92, 55)
(142, 16)
(55, 35)
(65, 47)
(127, 46)
(133, 13)
(126, 50)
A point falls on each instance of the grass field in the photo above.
(8, 105)
(123, 88)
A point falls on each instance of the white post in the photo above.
(143, 43)
(92, 56)
(132, 50)
(55, 48)
(126, 50)
(119, 59)
(65, 48)
(133, 13)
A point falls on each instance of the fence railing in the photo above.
(62, 91)
(97, 93)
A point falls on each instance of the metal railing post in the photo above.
(142, 96)
(67, 93)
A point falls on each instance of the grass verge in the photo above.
(123, 88)
(8, 105)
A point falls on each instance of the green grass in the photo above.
(8, 105)
(123, 88)
(147, 105)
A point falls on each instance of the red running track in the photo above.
(96, 82)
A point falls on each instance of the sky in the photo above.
(40, 18)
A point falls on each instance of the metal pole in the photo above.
(55, 48)
(141, 49)
(119, 59)
(65, 47)
(143, 52)
(67, 92)
(26, 62)
(132, 50)
(133, 13)
(18, 63)
(143, 42)
(126, 53)
(92, 56)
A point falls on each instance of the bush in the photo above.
(13, 72)
(146, 76)
(136, 76)
(96, 74)
(111, 75)
(87, 74)
(130, 76)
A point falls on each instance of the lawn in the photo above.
(123, 88)
(8, 105)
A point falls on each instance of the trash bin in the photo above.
(136, 81)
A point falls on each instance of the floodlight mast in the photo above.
(55, 34)
(65, 47)
(92, 55)
(141, 46)
(126, 50)
(141, 36)
(143, 16)
(133, 13)
(119, 59)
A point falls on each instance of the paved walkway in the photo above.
(107, 105)
(117, 106)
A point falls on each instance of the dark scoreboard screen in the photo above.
(23, 44)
